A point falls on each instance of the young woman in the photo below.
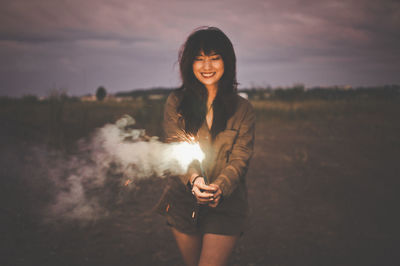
(207, 215)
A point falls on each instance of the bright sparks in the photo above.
(185, 153)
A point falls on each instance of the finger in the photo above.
(213, 204)
(218, 192)
(217, 199)
(202, 195)
(215, 187)
(205, 195)
(204, 200)
(218, 195)
(205, 187)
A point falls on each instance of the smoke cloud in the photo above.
(89, 182)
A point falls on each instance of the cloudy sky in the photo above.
(79, 45)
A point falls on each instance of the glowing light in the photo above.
(185, 153)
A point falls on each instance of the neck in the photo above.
(212, 92)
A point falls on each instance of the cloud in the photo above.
(144, 37)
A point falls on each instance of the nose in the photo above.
(207, 64)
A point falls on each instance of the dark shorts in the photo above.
(182, 212)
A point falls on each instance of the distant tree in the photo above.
(101, 93)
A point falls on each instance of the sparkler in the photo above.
(185, 153)
(191, 140)
(174, 157)
(203, 174)
(195, 150)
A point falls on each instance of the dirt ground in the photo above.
(323, 190)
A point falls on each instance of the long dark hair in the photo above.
(193, 105)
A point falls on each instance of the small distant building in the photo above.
(88, 98)
(121, 99)
(113, 98)
(108, 98)
(347, 87)
(342, 87)
(156, 96)
(267, 95)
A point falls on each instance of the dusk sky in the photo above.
(132, 44)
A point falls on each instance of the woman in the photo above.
(207, 215)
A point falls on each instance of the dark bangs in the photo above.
(209, 40)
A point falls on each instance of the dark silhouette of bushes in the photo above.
(101, 93)
(298, 92)
(144, 93)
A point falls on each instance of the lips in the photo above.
(207, 74)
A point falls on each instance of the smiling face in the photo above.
(208, 69)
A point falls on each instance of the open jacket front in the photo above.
(227, 156)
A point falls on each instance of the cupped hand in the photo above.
(217, 196)
(204, 194)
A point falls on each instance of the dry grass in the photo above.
(323, 187)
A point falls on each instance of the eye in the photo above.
(198, 58)
(216, 57)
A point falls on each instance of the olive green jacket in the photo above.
(227, 157)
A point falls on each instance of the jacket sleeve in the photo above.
(173, 131)
(240, 156)
(171, 127)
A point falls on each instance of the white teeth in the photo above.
(208, 75)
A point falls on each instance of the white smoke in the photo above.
(115, 156)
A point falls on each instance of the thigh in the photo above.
(189, 246)
(216, 249)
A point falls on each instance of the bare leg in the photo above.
(216, 249)
(189, 245)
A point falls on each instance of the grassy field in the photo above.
(323, 187)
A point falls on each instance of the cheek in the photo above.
(196, 71)
(195, 68)
(220, 66)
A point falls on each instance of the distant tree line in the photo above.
(145, 92)
(296, 92)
